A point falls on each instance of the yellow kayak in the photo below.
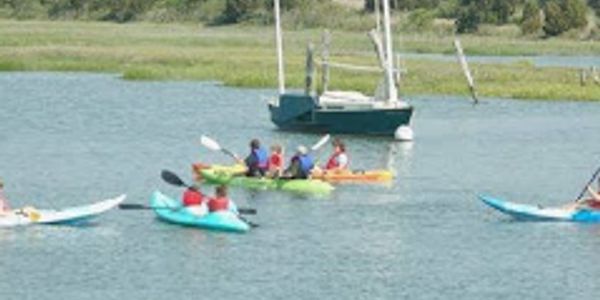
(356, 176)
(335, 176)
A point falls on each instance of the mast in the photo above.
(279, 42)
(392, 93)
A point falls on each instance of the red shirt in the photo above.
(275, 161)
(192, 197)
(217, 204)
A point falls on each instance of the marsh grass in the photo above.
(244, 56)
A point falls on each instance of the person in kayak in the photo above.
(275, 165)
(593, 202)
(220, 202)
(194, 201)
(339, 159)
(301, 164)
(4, 207)
(257, 161)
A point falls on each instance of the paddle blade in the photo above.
(247, 211)
(320, 143)
(171, 178)
(133, 206)
(210, 143)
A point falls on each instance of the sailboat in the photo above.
(346, 112)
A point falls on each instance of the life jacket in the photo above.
(218, 204)
(262, 158)
(192, 197)
(275, 161)
(333, 162)
(306, 164)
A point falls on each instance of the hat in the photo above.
(302, 149)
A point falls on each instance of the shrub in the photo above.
(531, 22)
(563, 15)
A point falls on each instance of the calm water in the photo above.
(69, 139)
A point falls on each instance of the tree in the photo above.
(531, 22)
(563, 15)
(595, 4)
(468, 19)
(575, 11)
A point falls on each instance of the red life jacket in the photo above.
(332, 163)
(593, 204)
(192, 197)
(275, 161)
(218, 203)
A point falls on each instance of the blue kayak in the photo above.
(170, 210)
(536, 213)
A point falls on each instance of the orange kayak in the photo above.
(340, 176)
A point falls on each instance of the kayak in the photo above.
(337, 176)
(298, 186)
(341, 176)
(68, 216)
(536, 213)
(170, 210)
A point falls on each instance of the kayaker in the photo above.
(193, 200)
(276, 161)
(339, 159)
(301, 164)
(257, 161)
(4, 207)
(594, 201)
(220, 201)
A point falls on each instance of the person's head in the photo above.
(254, 144)
(276, 148)
(194, 187)
(302, 150)
(221, 191)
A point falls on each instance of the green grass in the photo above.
(244, 56)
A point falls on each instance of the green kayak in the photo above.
(298, 186)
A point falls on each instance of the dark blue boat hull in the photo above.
(300, 113)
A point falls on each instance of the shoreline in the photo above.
(244, 57)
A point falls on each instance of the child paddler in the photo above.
(257, 162)
(220, 202)
(301, 164)
(194, 201)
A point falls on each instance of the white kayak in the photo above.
(72, 215)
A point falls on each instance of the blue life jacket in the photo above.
(262, 157)
(306, 164)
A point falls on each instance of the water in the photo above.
(567, 61)
(69, 139)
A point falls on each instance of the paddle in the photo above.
(320, 143)
(588, 184)
(213, 145)
(135, 206)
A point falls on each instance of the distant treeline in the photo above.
(548, 17)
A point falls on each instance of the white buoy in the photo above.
(404, 133)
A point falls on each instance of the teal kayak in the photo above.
(537, 213)
(170, 210)
(297, 186)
